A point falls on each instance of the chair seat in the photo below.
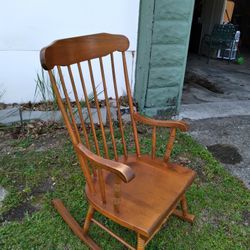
(149, 198)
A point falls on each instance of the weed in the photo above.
(2, 92)
(44, 90)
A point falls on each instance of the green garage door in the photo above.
(163, 38)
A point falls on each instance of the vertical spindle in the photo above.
(108, 108)
(131, 107)
(118, 107)
(153, 143)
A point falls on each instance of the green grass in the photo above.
(219, 201)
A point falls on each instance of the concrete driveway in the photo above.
(228, 139)
(216, 103)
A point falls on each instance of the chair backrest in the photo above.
(76, 61)
(224, 32)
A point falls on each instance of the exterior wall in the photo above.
(27, 26)
(164, 30)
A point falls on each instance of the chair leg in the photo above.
(87, 221)
(184, 206)
(183, 213)
(140, 242)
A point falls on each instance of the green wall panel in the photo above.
(155, 96)
(164, 77)
(164, 30)
(174, 9)
(144, 42)
(165, 55)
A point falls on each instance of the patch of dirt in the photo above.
(45, 186)
(213, 219)
(6, 141)
(37, 136)
(224, 153)
(36, 128)
(29, 207)
(18, 213)
(196, 164)
(246, 217)
(194, 78)
(48, 141)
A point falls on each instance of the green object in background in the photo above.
(240, 60)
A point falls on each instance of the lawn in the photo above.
(35, 170)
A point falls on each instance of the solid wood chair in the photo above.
(137, 191)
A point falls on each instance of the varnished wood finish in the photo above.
(118, 107)
(170, 144)
(86, 172)
(78, 106)
(188, 217)
(98, 109)
(153, 143)
(66, 119)
(144, 207)
(131, 106)
(139, 192)
(76, 49)
(88, 219)
(140, 242)
(184, 205)
(120, 169)
(160, 123)
(108, 108)
(117, 194)
(69, 108)
(88, 108)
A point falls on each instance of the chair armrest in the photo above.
(124, 172)
(161, 123)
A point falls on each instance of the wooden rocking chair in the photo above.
(136, 191)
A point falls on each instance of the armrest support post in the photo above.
(170, 144)
(117, 194)
(172, 125)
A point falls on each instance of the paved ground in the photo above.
(214, 109)
(230, 131)
(216, 101)
(217, 81)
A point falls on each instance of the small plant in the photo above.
(2, 92)
(90, 99)
(44, 90)
(23, 142)
(240, 60)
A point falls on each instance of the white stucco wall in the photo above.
(26, 26)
